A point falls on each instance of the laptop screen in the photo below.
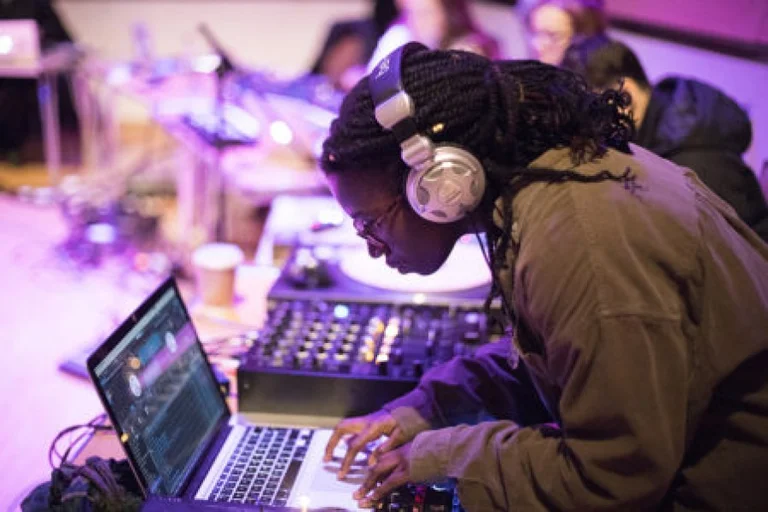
(161, 393)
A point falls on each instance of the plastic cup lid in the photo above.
(217, 256)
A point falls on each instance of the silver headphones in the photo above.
(445, 182)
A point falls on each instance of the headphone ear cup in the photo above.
(448, 187)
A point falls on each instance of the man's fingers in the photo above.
(395, 479)
(344, 427)
(392, 442)
(356, 444)
(375, 473)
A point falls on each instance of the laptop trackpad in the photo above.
(317, 486)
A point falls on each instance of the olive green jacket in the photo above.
(643, 331)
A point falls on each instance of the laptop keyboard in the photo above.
(263, 467)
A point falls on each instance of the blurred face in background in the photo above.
(551, 31)
(427, 20)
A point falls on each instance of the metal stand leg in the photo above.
(48, 97)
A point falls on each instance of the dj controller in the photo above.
(346, 349)
(342, 358)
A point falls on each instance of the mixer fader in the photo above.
(337, 358)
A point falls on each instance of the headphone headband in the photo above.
(445, 181)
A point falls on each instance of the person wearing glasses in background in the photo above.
(553, 24)
(636, 377)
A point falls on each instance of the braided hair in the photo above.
(506, 113)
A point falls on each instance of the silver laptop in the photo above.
(163, 399)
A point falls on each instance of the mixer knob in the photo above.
(429, 347)
(350, 338)
(471, 337)
(365, 355)
(300, 358)
(438, 499)
(319, 360)
(382, 364)
(472, 318)
(397, 356)
(347, 347)
(341, 357)
(327, 346)
(308, 345)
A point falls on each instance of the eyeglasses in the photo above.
(366, 229)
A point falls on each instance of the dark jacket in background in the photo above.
(699, 127)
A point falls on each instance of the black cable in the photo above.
(93, 426)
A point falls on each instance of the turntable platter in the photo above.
(465, 268)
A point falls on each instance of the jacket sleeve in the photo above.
(490, 381)
(621, 437)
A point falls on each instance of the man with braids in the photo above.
(636, 377)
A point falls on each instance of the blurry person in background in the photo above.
(350, 43)
(554, 24)
(438, 24)
(681, 119)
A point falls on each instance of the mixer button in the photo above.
(397, 356)
(471, 337)
(472, 318)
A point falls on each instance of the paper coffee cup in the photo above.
(215, 265)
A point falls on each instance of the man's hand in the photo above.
(362, 430)
(392, 470)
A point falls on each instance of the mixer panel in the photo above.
(351, 357)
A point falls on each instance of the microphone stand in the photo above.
(223, 70)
